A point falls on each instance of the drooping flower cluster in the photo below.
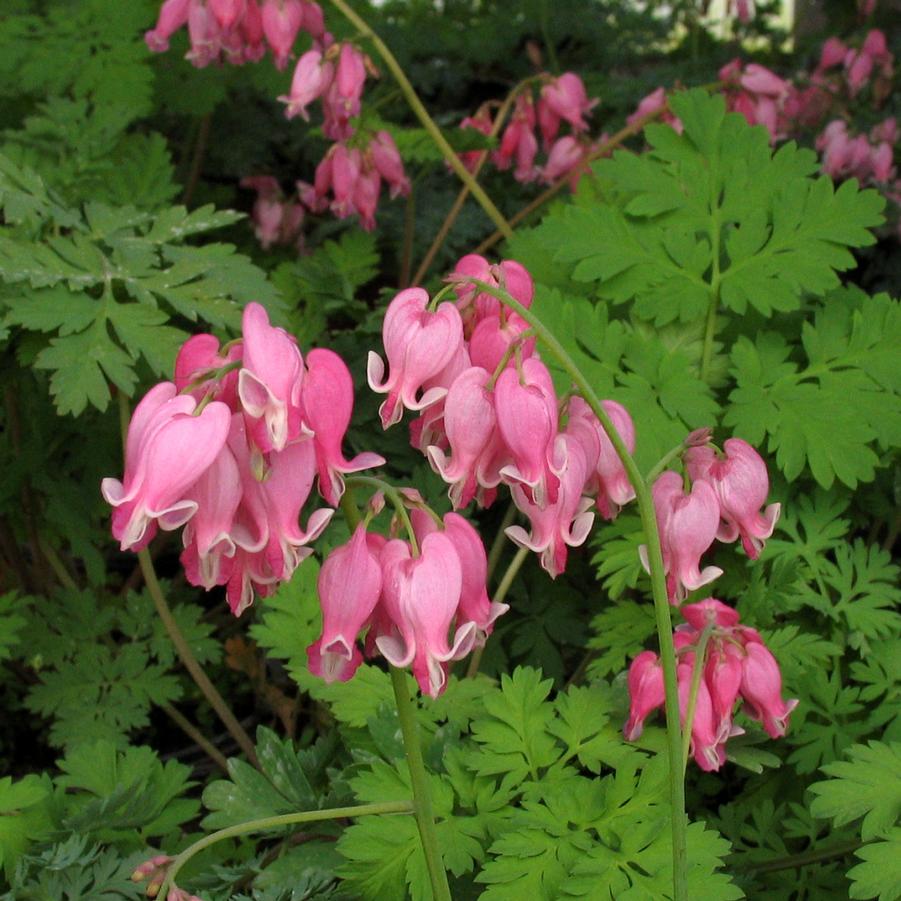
(277, 219)
(405, 600)
(238, 31)
(560, 100)
(758, 94)
(735, 665)
(230, 450)
(349, 178)
(489, 414)
(348, 181)
(724, 502)
(868, 158)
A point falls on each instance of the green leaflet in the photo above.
(867, 785)
(78, 284)
(803, 412)
(719, 191)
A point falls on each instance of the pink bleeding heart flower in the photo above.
(566, 156)
(722, 676)
(567, 97)
(205, 34)
(341, 101)
(252, 32)
(281, 21)
(198, 358)
(493, 337)
(248, 571)
(418, 344)
(285, 489)
(741, 484)
(349, 586)
(313, 20)
(366, 197)
(421, 596)
(652, 104)
(328, 397)
(646, 693)
(475, 605)
(167, 449)
(387, 161)
(562, 523)
(481, 122)
(526, 407)
(613, 488)
(518, 140)
(311, 79)
(761, 688)
(173, 15)
(207, 536)
(526, 151)
(227, 12)
(469, 422)
(269, 383)
(688, 525)
(315, 196)
(708, 750)
(710, 613)
(346, 167)
(832, 54)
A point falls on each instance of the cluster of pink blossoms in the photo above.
(237, 31)
(735, 664)
(827, 95)
(348, 180)
(405, 597)
(560, 100)
(724, 503)
(230, 450)
(489, 414)
(153, 872)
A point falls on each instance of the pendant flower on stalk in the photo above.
(421, 596)
(349, 587)
(688, 525)
(328, 399)
(563, 522)
(270, 381)
(741, 484)
(167, 450)
(418, 344)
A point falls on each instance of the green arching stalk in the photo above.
(450, 156)
(267, 823)
(658, 582)
(457, 205)
(500, 540)
(190, 662)
(396, 500)
(422, 797)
